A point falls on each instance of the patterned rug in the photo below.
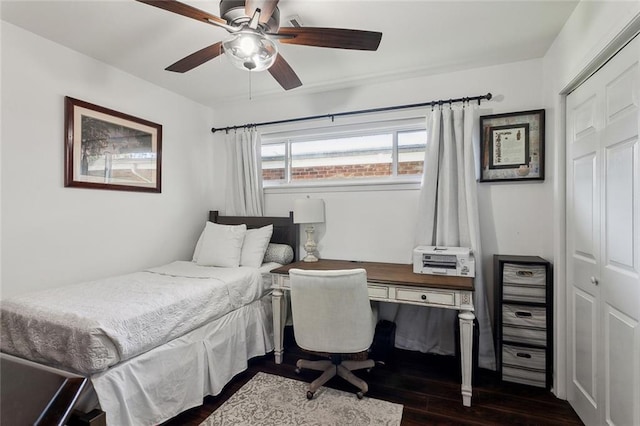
(273, 400)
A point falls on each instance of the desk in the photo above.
(395, 283)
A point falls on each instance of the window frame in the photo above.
(361, 129)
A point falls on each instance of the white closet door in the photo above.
(584, 123)
(603, 243)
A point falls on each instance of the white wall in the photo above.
(592, 32)
(52, 235)
(379, 225)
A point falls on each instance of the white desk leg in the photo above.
(277, 301)
(466, 354)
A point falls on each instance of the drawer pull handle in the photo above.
(521, 314)
(524, 273)
(523, 355)
(423, 297)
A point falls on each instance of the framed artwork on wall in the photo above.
(512, 146)
(107, 149)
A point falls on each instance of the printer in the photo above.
(453, 261)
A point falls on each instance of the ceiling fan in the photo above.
(254, 25)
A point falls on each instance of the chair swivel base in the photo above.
(330, 369)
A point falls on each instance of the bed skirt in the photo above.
(163, 382)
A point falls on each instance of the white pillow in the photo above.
(254, 246)
(221, 245)
(196, 252)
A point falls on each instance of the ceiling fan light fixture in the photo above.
(250, 51)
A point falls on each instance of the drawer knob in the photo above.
(423, 297)
(594, 280)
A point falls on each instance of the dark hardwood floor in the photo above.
(427, 385)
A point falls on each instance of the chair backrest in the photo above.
(331, 310)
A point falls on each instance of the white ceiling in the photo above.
(419, 37)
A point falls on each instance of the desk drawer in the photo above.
(378, 292)
(427, 297)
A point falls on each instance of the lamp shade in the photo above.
(250, 51)
(308, 210)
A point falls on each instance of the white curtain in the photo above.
(245, 196)
(448, 216)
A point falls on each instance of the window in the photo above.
(389, 154)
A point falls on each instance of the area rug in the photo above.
(273, 400)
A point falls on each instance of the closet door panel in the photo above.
(584, 226)
(621, 94)
(619, 223)
(585, 346)
(621, 382)
(620, 272)
(584, 123)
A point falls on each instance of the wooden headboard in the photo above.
(284, 230)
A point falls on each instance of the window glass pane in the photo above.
(340, 158)
(411, 147)
(273, 164)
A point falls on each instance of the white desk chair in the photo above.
(332, 315)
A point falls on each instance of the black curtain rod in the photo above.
(488, 97)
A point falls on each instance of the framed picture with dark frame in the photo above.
(512, 146)
(107, 149)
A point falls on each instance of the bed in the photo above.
(155, 342)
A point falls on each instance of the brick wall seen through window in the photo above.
(383, 155)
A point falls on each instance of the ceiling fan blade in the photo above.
(337, 38)
(266, 8)
(196, 59)
(188, 11)
(284, 74)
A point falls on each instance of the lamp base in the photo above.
(310, 257)
(310, 246)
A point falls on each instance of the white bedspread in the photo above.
(90, 326)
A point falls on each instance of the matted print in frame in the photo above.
(512, 146)
(107, 149)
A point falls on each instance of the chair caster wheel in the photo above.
(297, 370)
(309, 395)
(360, 395)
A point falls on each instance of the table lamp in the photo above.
(309, 211)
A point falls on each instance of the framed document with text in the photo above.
(512, 146)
